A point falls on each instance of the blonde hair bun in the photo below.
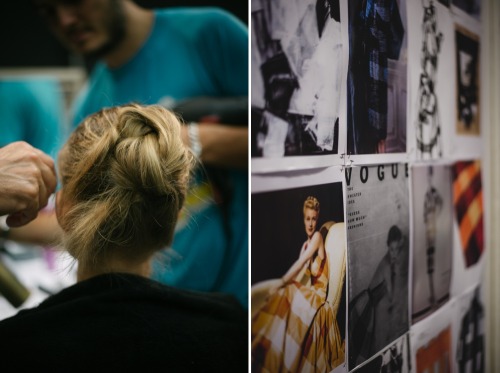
(125, 171)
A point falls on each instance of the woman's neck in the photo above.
(142, 268)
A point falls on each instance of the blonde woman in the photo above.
(124, 174)
(296, 330)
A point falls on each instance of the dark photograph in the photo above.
(470, 345)
(376, 81)
(471, 7)
(467, 47)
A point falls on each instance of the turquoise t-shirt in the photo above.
(31, 110)
(191, 52)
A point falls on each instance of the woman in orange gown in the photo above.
(296, 329)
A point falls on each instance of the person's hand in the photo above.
(27, 179)
(275, 287)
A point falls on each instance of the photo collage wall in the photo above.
(367, 206)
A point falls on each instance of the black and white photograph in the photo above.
(467, 55)
(469, 335)
(298, 277)
(432, 231)
(394, 359)
(376, 81)
(377, 212)
(296, 76)
(429, 121)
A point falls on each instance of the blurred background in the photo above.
(29, 49)
(39, 80)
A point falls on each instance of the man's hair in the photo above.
(125, 174)
(394, 234)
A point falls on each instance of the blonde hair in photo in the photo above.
(311, 203)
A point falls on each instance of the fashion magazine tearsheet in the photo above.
(298, 272)
(468, 225)
(395, 358)
(431, 79)
(432, 342)
(297, 73)
(377, 76)
(467, 134)
(432, 231)
(377, 210)
(469, 339)
(470, 7)
(467, 62)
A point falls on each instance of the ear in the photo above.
(60, 208)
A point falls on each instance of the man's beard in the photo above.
(115, 27)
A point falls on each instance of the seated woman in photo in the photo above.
(296, 329)
(125, 174)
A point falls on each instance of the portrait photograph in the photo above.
(377, 211)
(298, 278)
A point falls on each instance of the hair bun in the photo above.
(149, 154)
(126, 170)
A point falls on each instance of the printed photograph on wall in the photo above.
(467, 56)
(298, 279)
(428, 121)
(436, 355)
(296, 76)
(469, 332)
(431, 341)
(468, 202)
(432, 244)
(471, 7)
(396, 358)
(376, 81)
(377, 212)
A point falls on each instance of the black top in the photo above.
(123, 322)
